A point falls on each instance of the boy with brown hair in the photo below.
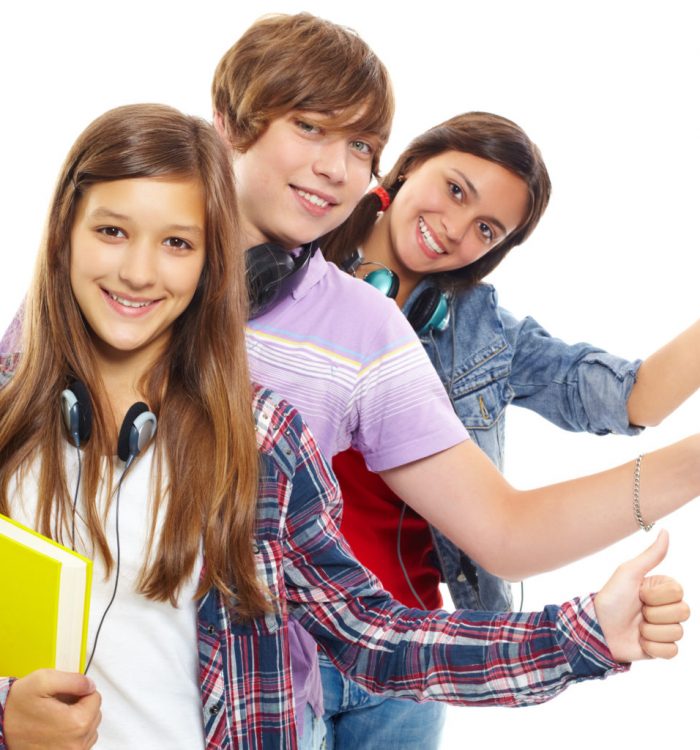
(306, 107)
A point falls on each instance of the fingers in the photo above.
(661, 633)
(661, 628)
(660, 590)
(659, 650)
(54, 683)
(668, 613)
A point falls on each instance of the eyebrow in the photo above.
(472, 189)
(107, 213)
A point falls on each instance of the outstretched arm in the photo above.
(515, 533)
(463, 657)
(666, 379)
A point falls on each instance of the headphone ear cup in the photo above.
(430, 311)
(137, 429)
(266, 266)
(77, 412)
(385, 280)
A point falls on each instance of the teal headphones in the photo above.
(430, 311)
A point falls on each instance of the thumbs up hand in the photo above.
(641, 615)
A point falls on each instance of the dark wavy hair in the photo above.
(482, 134)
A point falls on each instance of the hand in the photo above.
(641, 616)
(51, 709)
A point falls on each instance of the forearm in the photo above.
(464, 657)
(666, 379)
(514, 533)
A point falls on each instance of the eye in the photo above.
(362, 147)
(455, 190)
(177, 243)
(485, 231)
(307, 127)
(115, 232)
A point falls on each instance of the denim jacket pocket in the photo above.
(480, 389)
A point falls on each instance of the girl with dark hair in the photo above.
(209, 537)
(458, 199)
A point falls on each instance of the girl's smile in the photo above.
(137, 252)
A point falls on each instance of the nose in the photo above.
(138, 266)
(331, 160)
(455, 223)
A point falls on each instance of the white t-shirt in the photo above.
(145, 665)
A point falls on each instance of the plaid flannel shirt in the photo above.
(465, 657)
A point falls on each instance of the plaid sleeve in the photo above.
(465, 657)
(5, 685)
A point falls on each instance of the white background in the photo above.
(609, 92)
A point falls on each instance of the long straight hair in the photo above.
(482, 134)
(205, 459)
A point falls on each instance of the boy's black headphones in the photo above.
(273, 273)
(430, 311)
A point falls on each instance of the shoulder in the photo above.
(354, 296)
(279, 428)
(481, 296)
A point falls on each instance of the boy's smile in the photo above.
(298, 180)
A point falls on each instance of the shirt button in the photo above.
(214, 710)
(211, 630)
(256, 549)
(461, 578)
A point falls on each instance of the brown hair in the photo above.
(301, 62)
(482, 134)
(200, 386)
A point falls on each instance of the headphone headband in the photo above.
(273, 273)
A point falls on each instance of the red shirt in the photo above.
(371, 516)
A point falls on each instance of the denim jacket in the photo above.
(487, 359)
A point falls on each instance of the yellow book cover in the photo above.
(44, 602)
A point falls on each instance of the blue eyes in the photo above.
(307, 127)
(358, 145)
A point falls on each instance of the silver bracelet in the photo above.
(635, 496)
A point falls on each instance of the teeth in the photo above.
(429, 241)
(126, 302)
(313, 198)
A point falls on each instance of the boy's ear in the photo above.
(220, 126)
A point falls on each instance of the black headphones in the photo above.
(430, 311)
(137, 429)
(273, 273)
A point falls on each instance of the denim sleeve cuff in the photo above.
(581, 639)
(605, 383)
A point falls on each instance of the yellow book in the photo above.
(44, 602)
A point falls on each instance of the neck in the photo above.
(379, 248)
(121, 375)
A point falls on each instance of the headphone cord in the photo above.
(75, 497)
(400, 556)
(117, 566)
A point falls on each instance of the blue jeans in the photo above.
(314, 732)
(357, 719)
